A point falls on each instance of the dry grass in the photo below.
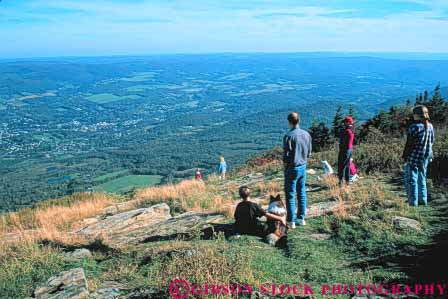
(208, 265)
(265, 189)
(181, 190)
(270, 167)
(361, 196)
(50, 222)
(188, 195)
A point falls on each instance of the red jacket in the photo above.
(347, 139)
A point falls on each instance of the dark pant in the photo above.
(344, 165)
(259, 229)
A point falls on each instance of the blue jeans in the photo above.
(295, 179)
(344, 166)
(415, 183)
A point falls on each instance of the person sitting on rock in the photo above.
(247, 216)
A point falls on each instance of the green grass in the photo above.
(128, 183)
(140, 77)
(361, 250)
(103, 98)
(111, 175)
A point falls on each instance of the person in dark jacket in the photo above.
(296, 151)
(346, 141)
(247, 214)
(417, 154)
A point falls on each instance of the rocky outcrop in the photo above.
(147, 224)
(406, 223)
(182, 225)
(120, 207)
(321, 208)
(120, 225)
(108, 290)
(77, 255)
(70, 284)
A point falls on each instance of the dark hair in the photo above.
(244, 192)
(423, 112)
(294, 118)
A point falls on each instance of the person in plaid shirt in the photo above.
(417, 154)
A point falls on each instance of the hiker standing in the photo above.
(296, 151)
(222, 168)
(198, 174)
(347, 139)
(417, 154)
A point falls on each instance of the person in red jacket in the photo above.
(198, 174)
(347, 139)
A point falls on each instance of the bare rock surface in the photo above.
(108, 290)
(406, 223)
(70, 284)
(147, 224)
(77, 255)
(125, 223)
(321, 208)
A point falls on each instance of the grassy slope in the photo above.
(127, 183)
(362, 249)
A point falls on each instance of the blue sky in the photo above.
(31, 28)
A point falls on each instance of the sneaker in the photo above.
(301, 222)
(292, 225)
(235, 236)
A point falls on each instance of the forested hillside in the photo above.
(116, 124)
(380, 139)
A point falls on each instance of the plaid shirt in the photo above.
(419, 144)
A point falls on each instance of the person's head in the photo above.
(198, 170)
(420, 113)
(348, 120)
(244, 192)
(293, 119)
(221, 159)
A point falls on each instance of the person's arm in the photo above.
(310, 145)
(351, 138)
(409, 144)
(275, 217)
(259, 212)
(285, 149)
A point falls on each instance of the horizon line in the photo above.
(124, 55)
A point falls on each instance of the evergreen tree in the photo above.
(320, 135)
(438, 108)
(425, 96)
(351, 111)
(408, 103)
(337, 122)
(437, 96)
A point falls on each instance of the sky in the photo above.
(36, 28)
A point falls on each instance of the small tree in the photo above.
(351, 111)
(320, 135)
(437, 106)
(337, 122)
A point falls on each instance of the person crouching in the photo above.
(247, 216)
